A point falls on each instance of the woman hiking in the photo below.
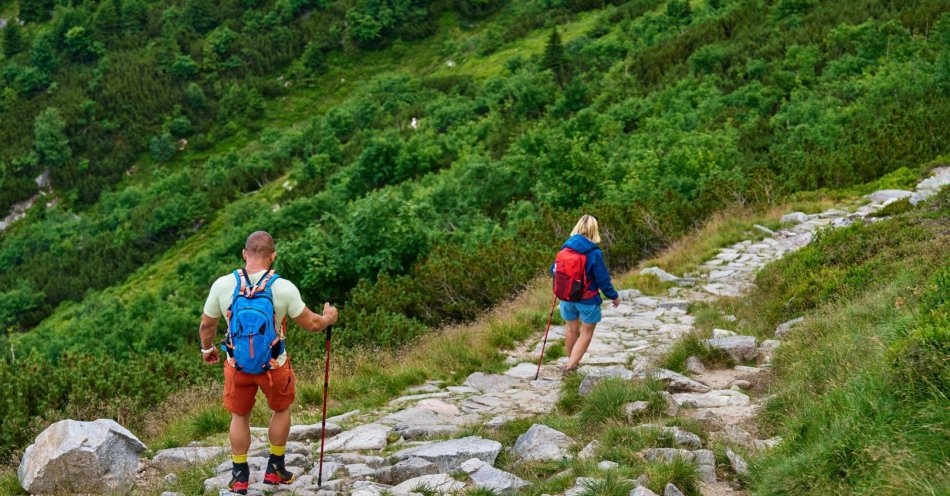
(580, 302)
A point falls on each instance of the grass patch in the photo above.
(692, 345)
(611, 484)
(554, 351)
(894, 208)
(210, 420)
(679, 472)
(605, 402)
(569, 400)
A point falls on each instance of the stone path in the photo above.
(403, 445)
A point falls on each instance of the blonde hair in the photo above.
(587, 226)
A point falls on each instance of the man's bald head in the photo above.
(260, 244)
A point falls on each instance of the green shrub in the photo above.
(604, 403)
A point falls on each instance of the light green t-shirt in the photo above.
(286, 296)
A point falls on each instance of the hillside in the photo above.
(172, 129)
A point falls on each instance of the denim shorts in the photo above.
(589, 314)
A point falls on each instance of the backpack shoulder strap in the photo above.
(241, 286)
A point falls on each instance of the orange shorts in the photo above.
(240, 388)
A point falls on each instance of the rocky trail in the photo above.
(414, 442)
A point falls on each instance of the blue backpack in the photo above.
(252, 342)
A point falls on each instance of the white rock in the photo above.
(173, 458)
(448, 455)
(364, 437)
(722, 333)
(785, 328)
(490, 383)
(359, 470)
(81, 457)
(589, 451)
(523, 371)
(683, 438)
(740, 348)
(409, 468)
(541, 442)
(667, 454)
(642, 491)
(607, 465)
(636, 410)
(705, 465)
(737, 462)
(484, 476)
(659, 274)
(439, 483)
(694, 365)
(713, 399)
(671, 490)
(676, 382)
(884, 195)
(794, 218)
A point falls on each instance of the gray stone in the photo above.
(580, 485)
(523, 371)
(667, 454)
(330, 470)
(671, 490)
(694, 365)
(300, 433)
(351, 458)
(489, 383)
(705, 465)
(642, 491)
(671, 407)
(367, 488)
(343, 417)
(541, 442)
(683, 438)
(761, 445)
(660, 274)
(713, 399)
(172, 458)
(170, 493)
(439, 483)
(607, 465)
(629, 294)
(484, 476)
(740, 348)
(676, 383)
(764, 229)
(359, 470)
(794, 218)
(740, 383)
(738, 463)
(448, 455)
(636, 410)
(409, 468)
(884, 195)
(785, 328)
(589, 451)
(595, 377)
(722, 333)
(171, 479)
(673, 304)
(364, 437)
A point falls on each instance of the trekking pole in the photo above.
(545, 342)
(326, 387)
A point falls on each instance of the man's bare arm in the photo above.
(207, 330)
(315, 322)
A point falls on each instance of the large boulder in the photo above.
(448, 455)
(541, 442)
(81, 457)
(490, 383)
(884, 195)
(740, 348)
(484, 476)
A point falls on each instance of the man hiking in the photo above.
(256, 302)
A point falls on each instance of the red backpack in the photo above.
(570, 276)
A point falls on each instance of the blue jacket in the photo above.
(595, 267)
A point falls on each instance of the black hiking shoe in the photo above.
(276, 473)
(240, 474)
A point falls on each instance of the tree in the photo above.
(679, 10)
(12, 40)
(42, 56)
(314, 59)
(80, 45)
(49, 138)
(554, 58)
(108, 19)
(134, 15)
(199, 15)
(36, 10)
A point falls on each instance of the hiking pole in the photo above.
(545, 342)
(326, 387)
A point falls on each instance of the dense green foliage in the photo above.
(156, 124)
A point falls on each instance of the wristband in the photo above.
(206, 351)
